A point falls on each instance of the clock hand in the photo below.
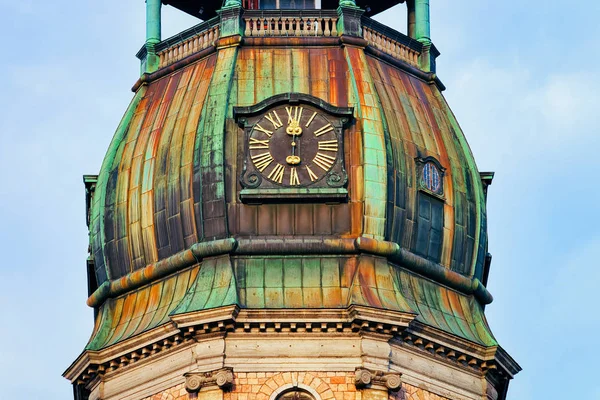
(293, 159)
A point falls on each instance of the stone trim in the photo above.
(296, 385)
(188, 328)
(195, 381)
(278, 383)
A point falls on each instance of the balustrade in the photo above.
(275, 23)
(390, 46)
(188, 47)
(281, 25)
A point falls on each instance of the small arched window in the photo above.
(428, 236)
(431, 177)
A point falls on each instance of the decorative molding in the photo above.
(365, 378)
(241, 113)
(223, 378)
(299, 245)
(403, 330)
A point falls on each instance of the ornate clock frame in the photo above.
(330, 186)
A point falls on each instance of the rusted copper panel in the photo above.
(140, 310)
(294, 281)
(262, 72)
(149, 202)
(418, 128)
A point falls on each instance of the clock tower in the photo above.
(289, 210)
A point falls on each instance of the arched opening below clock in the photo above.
(295, 394)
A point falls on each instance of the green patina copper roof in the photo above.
(170, 180)
(293, 283)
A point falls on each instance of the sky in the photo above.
(522, 79)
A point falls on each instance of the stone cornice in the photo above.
(401, 328)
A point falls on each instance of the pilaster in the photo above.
(349, 22)
(231, 19)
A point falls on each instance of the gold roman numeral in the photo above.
(277, 173)
(294, 113)
(325, 161)
(328, 145)
(323, 130)
(256, 144)
(275, 120)
(262, 161)
(311, 119)
(266, 131)
(311, 174)
(294, 180)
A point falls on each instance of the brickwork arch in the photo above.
(279, 383)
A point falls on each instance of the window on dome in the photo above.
(430, 227)
(431, 177)
(428, 238)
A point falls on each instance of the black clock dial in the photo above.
(293, 146)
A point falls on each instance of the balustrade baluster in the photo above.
(247, 31)
(327, 31)
(261, 23)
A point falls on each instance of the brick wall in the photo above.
(328, 386)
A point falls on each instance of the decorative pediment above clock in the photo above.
(293, 149)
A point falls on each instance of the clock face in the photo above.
(293, 146)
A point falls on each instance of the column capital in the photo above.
(366, 378)
(222, 378)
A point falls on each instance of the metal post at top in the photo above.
(153, 21)
(411, 21)
(153, 35)
(422, 27)
(347, 3)
(232, 3)
(419, 29)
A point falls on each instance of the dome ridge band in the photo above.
(309, 245)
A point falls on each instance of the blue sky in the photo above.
(522, 79)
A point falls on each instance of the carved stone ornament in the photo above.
(223, 378)
(293, 149)
(366, 378)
